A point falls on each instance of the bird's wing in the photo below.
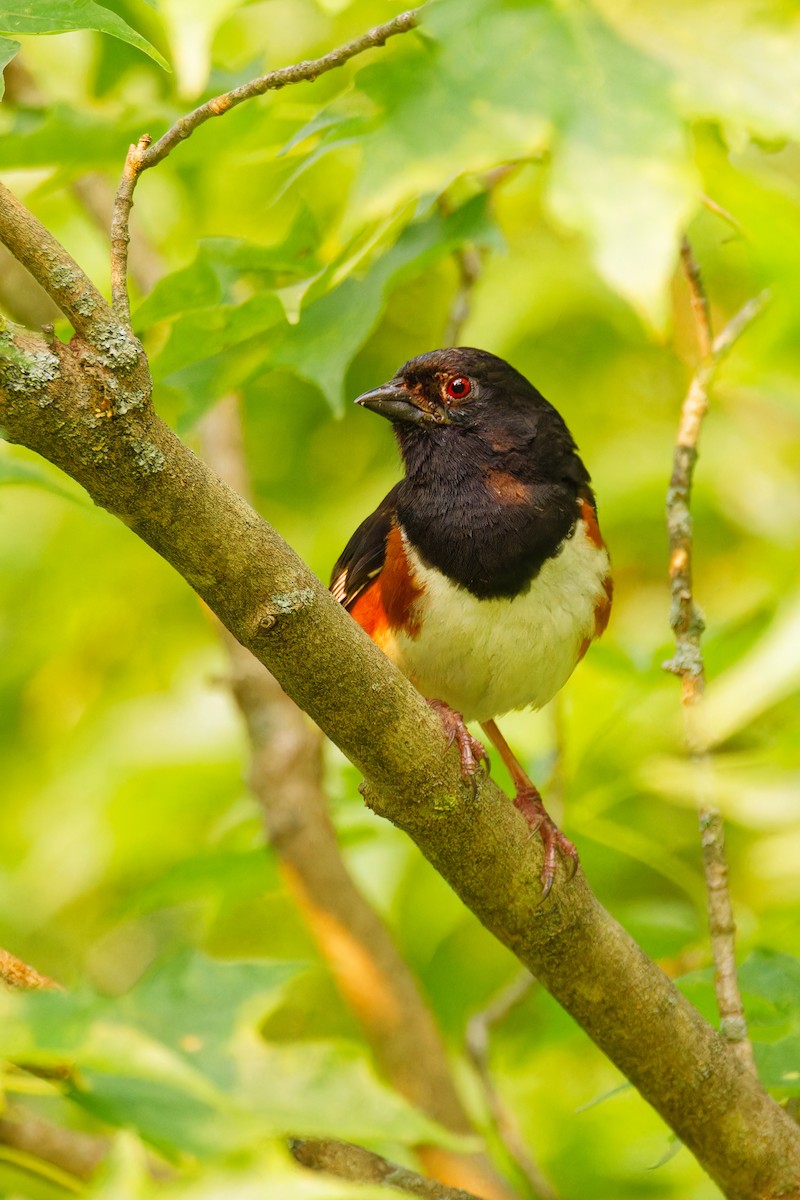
(363, 557)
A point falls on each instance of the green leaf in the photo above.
(193, 1005)
(735, 61)
(622, 172)
(779, 1064)
(773, 977)
(323, 1089)
(179, 1059)
(63, 136)
(205, 333)
(222, 265)
(56, 16)
(333, 328)
(192, 287)
(15, 472)
(7, 51)
(770, 988)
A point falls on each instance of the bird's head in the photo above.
(478, 408)
(458, 386)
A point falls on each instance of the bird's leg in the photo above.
(472, 751)
(530, 804)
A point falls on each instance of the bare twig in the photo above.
(687, 664)
(468, 260)
(96, 196)
(17, 974)
(723, 213)
(362, 1166)
(70, 1150)
(146, 153)
(373, 978)
(478, 1033)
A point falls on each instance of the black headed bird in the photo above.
(482, 575)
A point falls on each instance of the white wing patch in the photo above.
(339, 587)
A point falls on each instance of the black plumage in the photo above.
(493, 480)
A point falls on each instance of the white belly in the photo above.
(487, 657)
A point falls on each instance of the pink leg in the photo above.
(529, 803)
(472, 751)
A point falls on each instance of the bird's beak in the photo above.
(393, 402)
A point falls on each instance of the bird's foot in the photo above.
(471, 751)
(530, 804)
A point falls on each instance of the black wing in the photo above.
(363, 557)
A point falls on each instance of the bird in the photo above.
(483, 574)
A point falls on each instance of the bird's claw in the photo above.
(529, 803)
(471, 752)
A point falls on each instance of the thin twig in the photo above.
(468, 261)
(687, 624)
(477, 1043)
(146, 153)
(362, 1166)
(17, 974)
(723, 213)
(96, 196)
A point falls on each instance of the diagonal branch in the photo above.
(17, 974)
(371, 974)
(687, 624)
(362, 1166)
(147, 153)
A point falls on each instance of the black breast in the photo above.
(489, 518)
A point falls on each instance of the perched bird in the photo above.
(482, 575)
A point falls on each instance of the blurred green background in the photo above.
(296, 253)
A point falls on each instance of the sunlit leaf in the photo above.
(736, 61)
(763, 677)
(334, 327)
(60, 136)
(61, 16)
(8, 49)
(190, 28)
(603, 109)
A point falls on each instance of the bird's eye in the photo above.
(458, 387)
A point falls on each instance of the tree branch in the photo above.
(111, 441)
(147, 153)
(71, 1150)
(687, 624)
(35, 247)
(362, 1166)
(17, 974)
(372, 976)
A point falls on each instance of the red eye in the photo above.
(458, 387)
